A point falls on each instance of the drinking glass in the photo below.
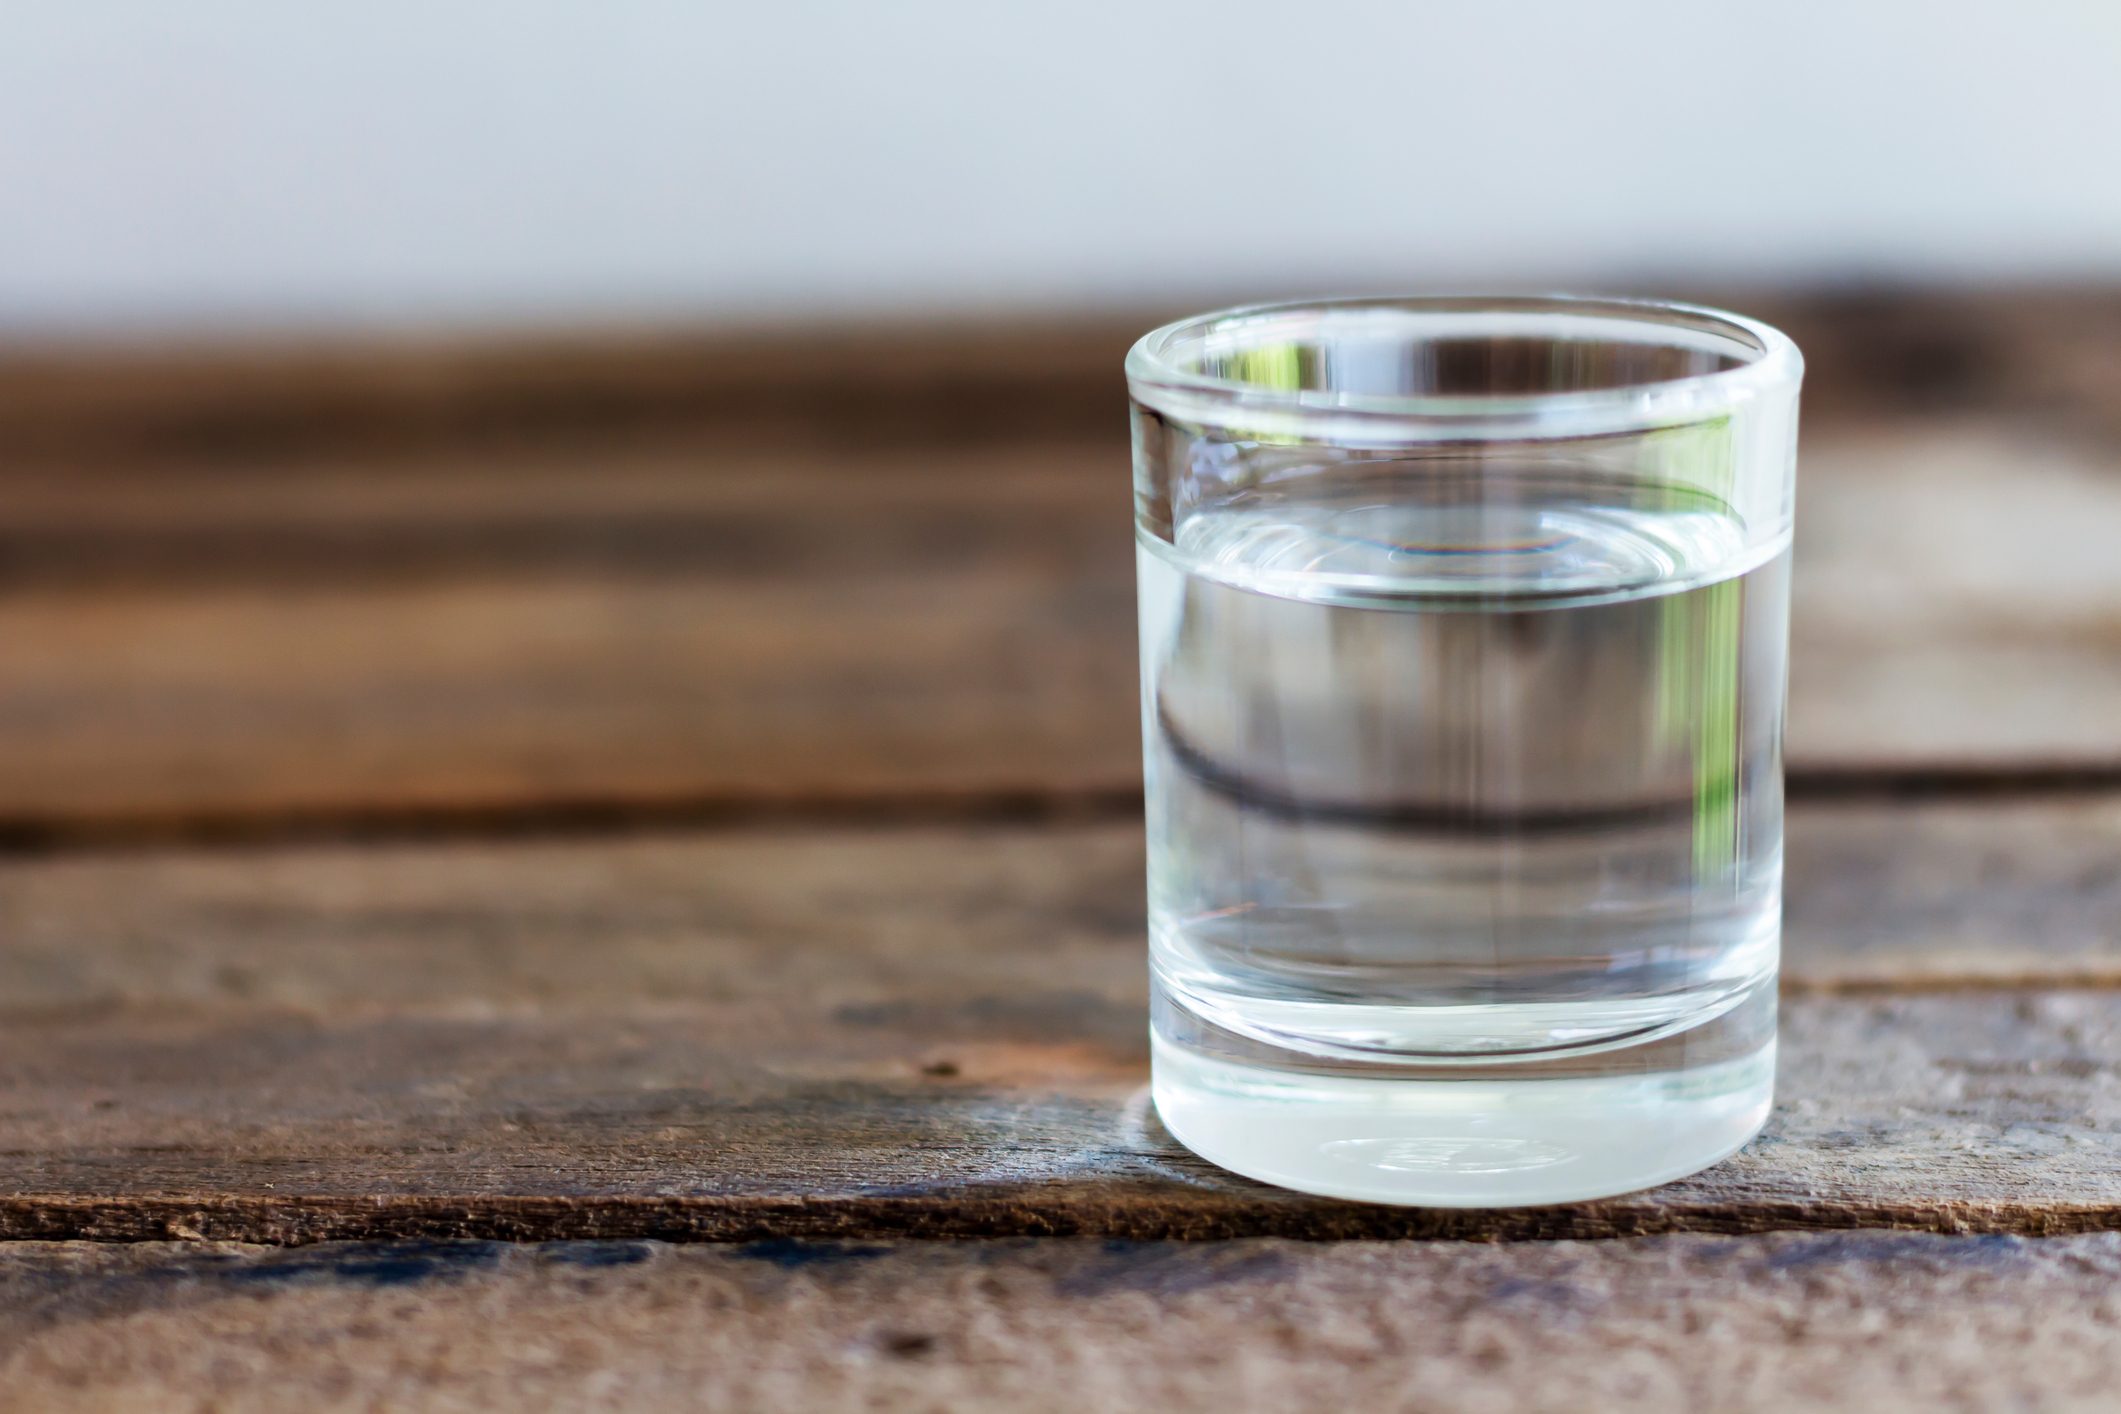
(1464, 632)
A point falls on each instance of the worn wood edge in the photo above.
(1948, 983)
(2079, 979)
(298, 1221)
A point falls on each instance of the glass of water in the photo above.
(1464, 632)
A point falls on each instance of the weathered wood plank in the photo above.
(655, 639)
(923, 1031)
(1939, 894)
(1833, 1322)
(1926, 895)
(904, 628)
(828, 386)
(630, 509)
(1957, 601)
(191, 712)
(1869, 350)
(990, 1114)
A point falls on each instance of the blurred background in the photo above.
(488, 412)
(238, 165)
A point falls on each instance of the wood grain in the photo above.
(681, 635)
(1848, 1321)
(934, 1032)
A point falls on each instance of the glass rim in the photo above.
(1211, 400)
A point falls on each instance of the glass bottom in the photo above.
(1494, 1135)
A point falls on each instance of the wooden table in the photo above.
(560, 872)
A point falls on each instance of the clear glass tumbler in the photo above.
(1464, 631)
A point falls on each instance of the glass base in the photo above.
(1412, 1136)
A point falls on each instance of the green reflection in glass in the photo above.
(1699, 634)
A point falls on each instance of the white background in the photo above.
(224, 164)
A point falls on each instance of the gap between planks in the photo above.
(591, 816)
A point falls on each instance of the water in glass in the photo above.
(1464, 774)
